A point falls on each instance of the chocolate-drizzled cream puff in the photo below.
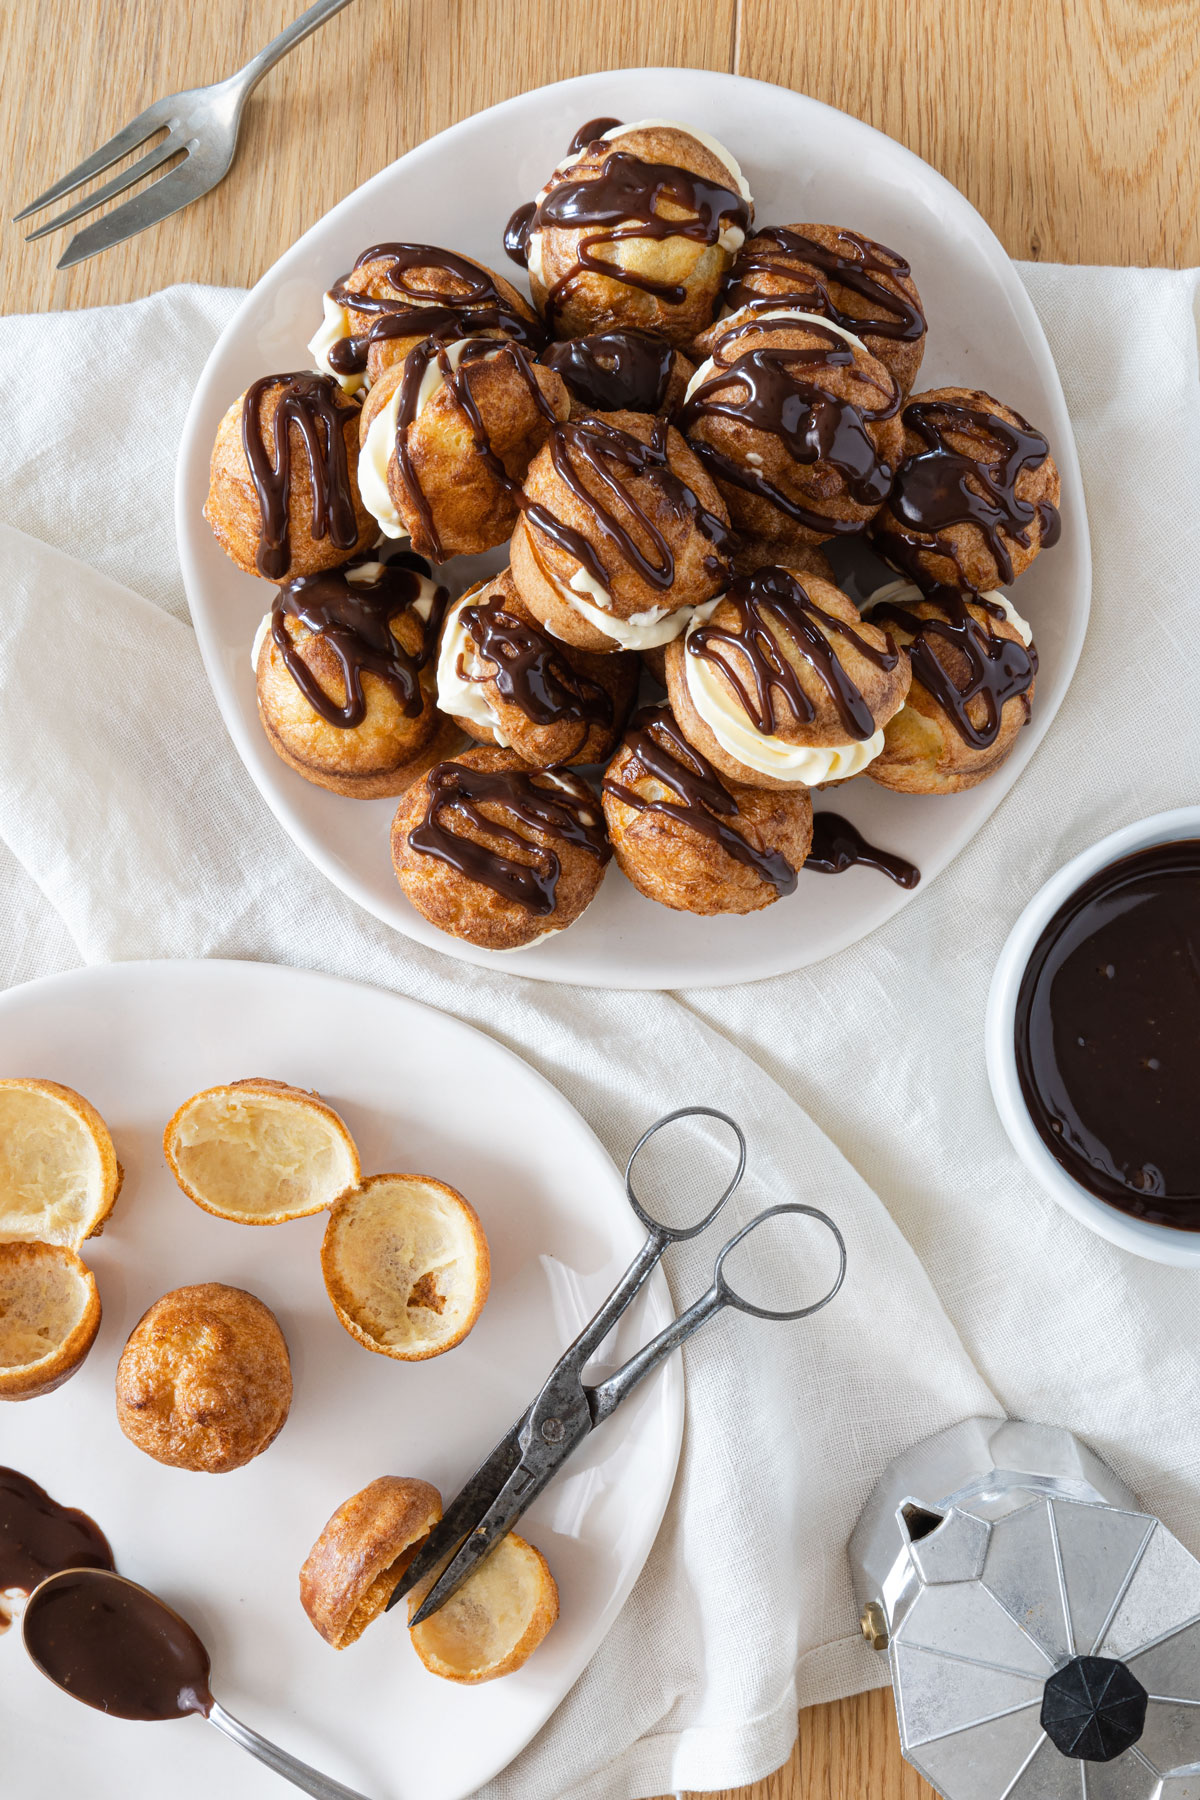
(636, 227)
(398, 294)
(622, 533)
(283, 493)
(973, 675)
(976, 493)
(621, 371)
(447, 436)
(346, 673)
(796, 422)
(842, 276)
(692, 841)
(506, 681)
(496, 853)
(785, 686)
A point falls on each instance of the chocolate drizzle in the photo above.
(837, 845)
(116, 1647)
(355, 619)
(315, 406)
(858, 267)
(530, 671)
(615, 371)
(418, 313)
(939, 486)
(591, 133)
(516, 233)
(704, 804)
(771, 604)
(813, 425)
(38, 1537)
(999, 669)
(563, 808)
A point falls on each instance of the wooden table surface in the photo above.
(1069, 123)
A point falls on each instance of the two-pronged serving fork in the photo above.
(201, 123)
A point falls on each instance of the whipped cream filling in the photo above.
(784, 312)
(461, 698)
(260, 636)
(640, 631)
(906, 593)
(334, 327)
(715, 701)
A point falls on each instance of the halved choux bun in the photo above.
(351, 1570)
(204, 1381)
(621, 371)
(946, 736)
(693, 841)
(622, 534)
(406, 1265)
(495, 1621)
(785, 686)
(844, 277)
(507, 681)
(497, 853)
(59, 1174)
(260, 1152)
(431, 472)
(49, 1317)
(975, 496)
(758, 415)
(667, 284)
(320, 527)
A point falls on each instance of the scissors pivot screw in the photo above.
(553, 1430)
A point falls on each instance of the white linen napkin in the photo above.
(128, 828)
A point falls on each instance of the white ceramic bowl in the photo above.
(1160, 1243)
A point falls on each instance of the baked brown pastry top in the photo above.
(351, 1571)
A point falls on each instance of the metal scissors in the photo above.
(566, 1410)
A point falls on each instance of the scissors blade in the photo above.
(526, 1483)
(469, 1504)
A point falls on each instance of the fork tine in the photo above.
(128, 138)
(170, 146)
(172, 191)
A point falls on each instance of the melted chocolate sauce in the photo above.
(858, 266)
(355, 620)
(772, 603)
(118, 1648)
(615, 371)
(1108, 1034)
(481, 306)
(516, 233)
(837, 845)
(314, 405)
(704, 803)
(813, 425)
(936, 487)
(564, 808)
(591, 133)
(530, 671)
(38, 1537)
(999, 669)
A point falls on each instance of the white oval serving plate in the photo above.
(804, 161)
(421, 1092)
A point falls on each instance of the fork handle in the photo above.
(293, 34)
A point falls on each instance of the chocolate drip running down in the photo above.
(772, 604)
(38, 1537)
(355, 619)
(591, 133)
(564, 808)
(417, 313)
(940, 486)
(704, 804)
(999, 669)
(516, 232)
(615, 371)
(837, 845)
(857, 267)
(315, 406)
(118, 1648)
(530, 671)
(813, 425)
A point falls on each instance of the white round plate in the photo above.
(420, 1092)
(804, 161)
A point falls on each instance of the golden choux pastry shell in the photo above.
(59, 1174)
(49, 1317)
(495, 1621)
(260, 1152)
(351, 1570)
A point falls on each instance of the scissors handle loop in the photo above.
(680, 1234)
(730, 1296)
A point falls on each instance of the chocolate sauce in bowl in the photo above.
(416, 312)
(837, 845)
(117, 1647)
(857, 264)
(614, 371)
(1107, 1034)
(314, 405)
(38, 1537)
(998, 669)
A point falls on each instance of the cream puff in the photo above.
(346, 677)
(797, 423)
(974, 669)
(496, 853)
(506, 681)
(283, 497)
(446, 438)
(622, 533)
(396, 295)
(636, 228)
(621, 371)
(784, 686)
(841, 276)
(976, 493)
(689, 839)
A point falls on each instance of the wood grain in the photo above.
(1069, 124)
